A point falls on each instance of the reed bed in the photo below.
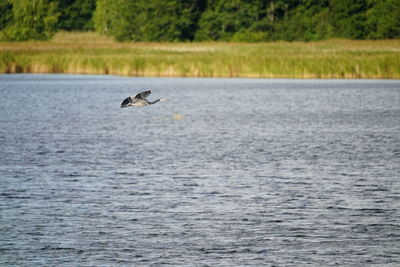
(89, 53)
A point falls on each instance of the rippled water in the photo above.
(229, 172)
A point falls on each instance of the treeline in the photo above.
(22, 20)
(203, 20)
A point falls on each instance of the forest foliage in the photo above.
(202, 20)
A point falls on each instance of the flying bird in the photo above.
(140, 100)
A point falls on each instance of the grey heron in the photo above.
(140, 100)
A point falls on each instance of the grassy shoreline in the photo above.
(88, 53)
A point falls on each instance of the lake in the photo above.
(229, 172)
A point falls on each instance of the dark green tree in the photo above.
(76, 15)
(243, 20)
(349, 18)
(309, 21)
(384, 20)
(104, 17)
(31, 20)
(223, 18)
(5, 13)
(161, 20)
(143, 20)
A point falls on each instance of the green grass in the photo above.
(88, 53)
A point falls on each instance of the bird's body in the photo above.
(139, 100)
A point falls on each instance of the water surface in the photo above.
(229, 172)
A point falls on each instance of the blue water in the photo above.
(229, 172)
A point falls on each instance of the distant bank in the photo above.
(88, 53)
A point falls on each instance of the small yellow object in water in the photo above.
(177, 116)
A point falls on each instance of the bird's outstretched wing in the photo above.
(127, 101)
(143, 95)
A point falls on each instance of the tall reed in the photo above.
(88, 53)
